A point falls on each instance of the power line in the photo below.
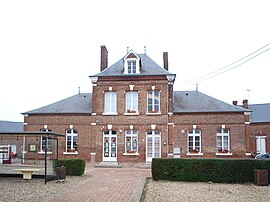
(234, 66)
(217, 72)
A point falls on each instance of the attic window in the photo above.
(131, 61)
(131, 67)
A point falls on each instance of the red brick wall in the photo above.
(90, 127)
(59, 124)
(208, 123)
(121, 122)
(90, 136)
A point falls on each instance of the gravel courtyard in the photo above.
(14, 189)
(18, 189)
(198, 191)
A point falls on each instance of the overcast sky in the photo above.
(50, 48)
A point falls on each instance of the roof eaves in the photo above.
(33, 133)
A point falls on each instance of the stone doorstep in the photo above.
(108, 164)
(144, 166)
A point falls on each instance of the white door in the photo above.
(261, 144)
(109, 146)
(153, 145)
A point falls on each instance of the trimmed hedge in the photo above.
(205, 170)
(73, 166)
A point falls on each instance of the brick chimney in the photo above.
(165, 61)
(104, 58)
(245, 104)
(234, 102)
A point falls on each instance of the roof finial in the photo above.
(197, 87)
(127, 49)
(79, 90)
(144, 49)
(248, 94)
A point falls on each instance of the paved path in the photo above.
(108, 184)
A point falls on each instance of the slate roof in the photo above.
(193, 101)
(184, 102)
(10, 126)
(260, 113)
(148, 67)
(80, 103)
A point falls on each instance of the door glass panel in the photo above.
(157, 146)
(149, 147)
(113, 147)
(153, 147)
(106, 146)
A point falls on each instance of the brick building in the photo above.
(133, 114)
(259, 129)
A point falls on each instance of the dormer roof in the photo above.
(146, 64)
(131, 55)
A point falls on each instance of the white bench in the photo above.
(27, 172)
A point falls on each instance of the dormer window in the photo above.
(132, 64)
(131, 67)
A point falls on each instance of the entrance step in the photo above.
(144, 165)
(108, 164)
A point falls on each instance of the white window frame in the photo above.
(132, 102)
(73, 133)
(110, 146)
(195, 150)
(131, 67)
(151, 107)
(42, 143)
(132, 134)
(110, 99)
(223, 149)
(260, 149)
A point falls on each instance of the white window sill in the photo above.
(131, 114)
(223, 154)
(131, 154)
(70, 153)
(109, 114)
(194, 154)
(42, 152)
(150, 113)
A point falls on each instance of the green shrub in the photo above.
(204, 170)
(73, 166)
